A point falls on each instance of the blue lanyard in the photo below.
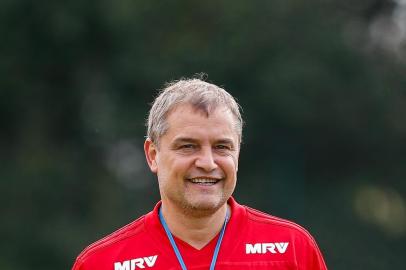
(177, 252)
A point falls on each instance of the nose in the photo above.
(206, 160)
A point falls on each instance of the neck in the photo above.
(195, 230)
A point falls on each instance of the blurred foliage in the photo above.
(324, 104)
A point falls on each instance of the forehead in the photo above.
(191, 121)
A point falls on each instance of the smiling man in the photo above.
(193, 144)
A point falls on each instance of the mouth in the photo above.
(204, 181)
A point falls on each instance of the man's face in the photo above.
(197, 159)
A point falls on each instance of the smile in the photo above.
(204, 181)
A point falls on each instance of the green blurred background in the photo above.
(322, 84)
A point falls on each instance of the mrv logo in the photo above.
(136, 263)
(263, 248)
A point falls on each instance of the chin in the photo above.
(204, 205)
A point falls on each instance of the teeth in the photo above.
(203, 181)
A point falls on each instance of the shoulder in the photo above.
(275, 224)
(284, 239)
(114, 239)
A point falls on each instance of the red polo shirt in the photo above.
(252, 240)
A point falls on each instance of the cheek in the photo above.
(230, 163)
(174, 166)
(234, 160)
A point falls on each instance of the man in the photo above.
(193, 143)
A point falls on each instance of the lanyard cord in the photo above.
(175, 248)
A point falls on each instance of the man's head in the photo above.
(193, 144)
(201, 95)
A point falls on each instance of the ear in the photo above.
(150, 150)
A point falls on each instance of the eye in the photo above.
(187, 146)
(223, 147)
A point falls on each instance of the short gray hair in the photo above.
(202, 95)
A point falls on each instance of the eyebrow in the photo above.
(192, 140)
(225, 141)
(183, 140)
